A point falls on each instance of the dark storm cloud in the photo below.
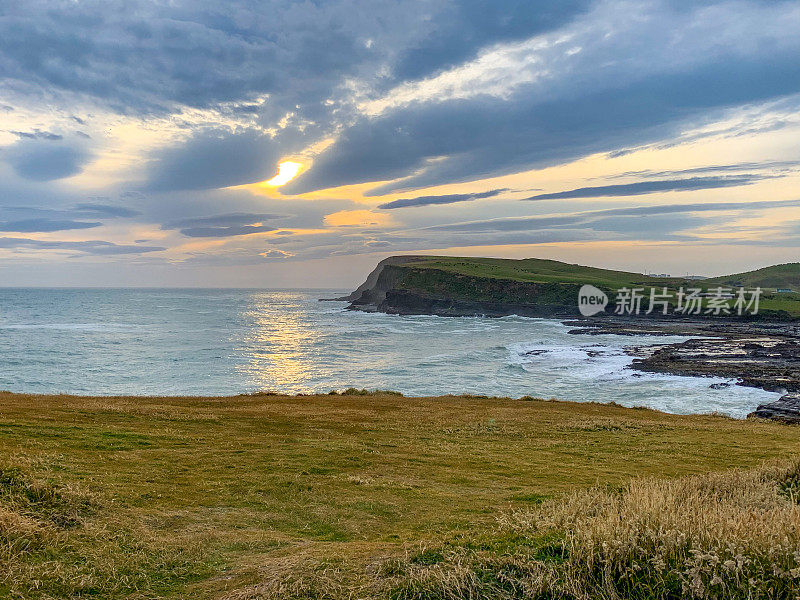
(537, 222)
(97, 247)
(443, 199)
(465, 26)
(651, 187)
(37, 134)
(698, 207)
(45, 160)
(618, 82)
(484, 137)
(105, 210)
(224, 220)
(214, 159)
(31, 219)
(225, 225)
(44, 225)
(144, 56)
(25, 219)
(774, 166)
(276, 60)
(225, 231)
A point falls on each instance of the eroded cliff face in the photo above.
(396, 287)
(372, 292)
(371, 295)
(406, 302)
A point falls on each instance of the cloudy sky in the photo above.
(261, 143)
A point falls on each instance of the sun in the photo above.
(287, 170)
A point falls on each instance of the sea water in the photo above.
(219, 342)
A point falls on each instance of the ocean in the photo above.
(222, 342)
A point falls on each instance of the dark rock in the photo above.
(786, 409)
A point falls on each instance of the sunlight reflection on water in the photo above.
(214, 342)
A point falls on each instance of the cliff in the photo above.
(372, 292)
(418, 285)
(466, 286)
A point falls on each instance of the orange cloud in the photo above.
(358, 218)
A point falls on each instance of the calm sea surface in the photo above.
(215, 342)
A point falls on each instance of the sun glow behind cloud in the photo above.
(537, 108)
(287, 170)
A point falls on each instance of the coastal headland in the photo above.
(532, 287)
(759, 350)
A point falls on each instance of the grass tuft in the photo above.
(52, 545)
(728, 535)
(363, 392)
(41, 501)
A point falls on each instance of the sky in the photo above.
(253, 143)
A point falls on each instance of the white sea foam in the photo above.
(580, 372)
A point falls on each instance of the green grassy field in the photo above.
(247, 497)
(543, 271)
(547, 271)
(777, 276)
(532, 269)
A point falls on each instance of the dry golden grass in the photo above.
(347, 496)
(724, 535)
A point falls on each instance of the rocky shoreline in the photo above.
(762, 355)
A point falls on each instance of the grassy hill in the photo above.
(465, 285)
(533, 270)
(373, 495)
(777, 276)
(545, 271)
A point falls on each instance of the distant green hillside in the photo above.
(778, 276)
(547, 271)
(453, 286)
(537, 270)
